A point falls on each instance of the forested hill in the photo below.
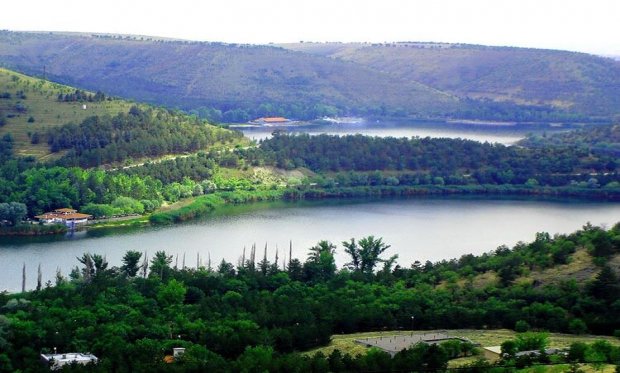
(244, 80)
(51, 121)
(236, 83)
(577, 81)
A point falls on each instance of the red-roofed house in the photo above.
(66, 216)
(271, 120)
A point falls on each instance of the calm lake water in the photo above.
(507, 135)
(418, 229)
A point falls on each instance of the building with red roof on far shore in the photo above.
(271, 120)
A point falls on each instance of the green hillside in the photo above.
(31, 106)
(192, 75)
(49, 121)
(566, 80)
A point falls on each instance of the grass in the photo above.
(580, 268)
(130, 222)
(346, 342)
(42, 105)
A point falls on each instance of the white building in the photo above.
(66, 216)
(57, 361)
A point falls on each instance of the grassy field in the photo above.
(42, 105)
(346, 342)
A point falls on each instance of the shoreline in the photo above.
(200, 206)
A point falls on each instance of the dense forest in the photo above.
(254, 315)
(599, 140)
(137, 134)
(438, 161)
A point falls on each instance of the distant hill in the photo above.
(191, 75)
(231, 82)
(577, 82)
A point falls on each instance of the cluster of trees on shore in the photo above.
(426, 161)
(262, 311)
(599, 140)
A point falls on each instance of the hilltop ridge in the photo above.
(239, 82)
(228, 77)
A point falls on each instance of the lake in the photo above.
(417, 229)
(507, 135)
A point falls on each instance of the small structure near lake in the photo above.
(271, 121)
(66, 216)
(57, 361)
(392, 344)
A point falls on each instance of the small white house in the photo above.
(57, 361)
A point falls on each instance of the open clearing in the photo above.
(346, 342)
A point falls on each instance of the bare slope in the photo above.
(577, 81)
(192, 74)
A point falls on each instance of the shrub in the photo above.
(128, 205)
(577, 326)
(522, 326)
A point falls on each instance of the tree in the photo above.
(365, 255)
(321, 264)
(532, 341)
(353, 250)
(577, 326)
(522, 326)
(88, 272)
(509, 347)
(160, 265)
(172, 293)
(13, 212)
(605, 285)
(131, 261)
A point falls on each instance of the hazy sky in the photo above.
(589, 26)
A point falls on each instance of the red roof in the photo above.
(275, 119)
(65, 210)
(64, 216)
